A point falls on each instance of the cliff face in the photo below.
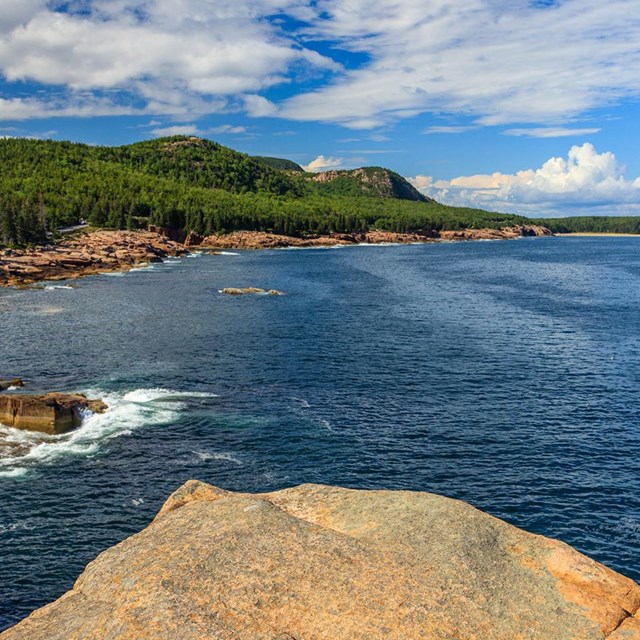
(317, 562)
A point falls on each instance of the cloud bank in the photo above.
(585, 182)
(498, 63)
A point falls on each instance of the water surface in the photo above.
(502, 373)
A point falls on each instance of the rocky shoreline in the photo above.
(88, 254)
(326, 563)
(263, 240)
(104, 251)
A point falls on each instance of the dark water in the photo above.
(506, 374)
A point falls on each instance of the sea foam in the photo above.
(21, 451)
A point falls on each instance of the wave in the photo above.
(227, 253)
(21, 451)
(55, 287)
(205, 456)
(144, 267)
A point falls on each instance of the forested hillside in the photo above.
(194, 184)
(592, 224)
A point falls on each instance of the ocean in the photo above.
(505, 374)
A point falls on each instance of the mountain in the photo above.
(279, 163)
(192, 184)
(376, 182)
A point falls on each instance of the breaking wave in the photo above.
(21, 451)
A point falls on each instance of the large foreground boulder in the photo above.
(53, 413)
(316, 562)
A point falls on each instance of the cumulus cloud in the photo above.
(501, 63)
(320, 163)
(585, 181)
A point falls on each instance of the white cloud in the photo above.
(585, 181)
(550, 132)
(258, 106)
(79, 106)
(450, 129)
(167, 55)
(320, 163)
(177, 130)
(193, 130)
(495, 61)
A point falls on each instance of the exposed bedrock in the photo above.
(53, 413)
(316, 562)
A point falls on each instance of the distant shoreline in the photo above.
(104, 251)
(598, 234)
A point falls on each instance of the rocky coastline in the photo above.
(88, 254)
(326, 563)
(263, 240)
(105, 251)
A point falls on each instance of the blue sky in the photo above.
(526, 106)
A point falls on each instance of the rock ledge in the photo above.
(316, 563)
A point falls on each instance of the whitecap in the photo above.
(205, 456)
(326, 425)
(22, 450)
(227, 253)
(56, 287)
(143, 267)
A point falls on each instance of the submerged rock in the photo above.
(249, 290)
(53, 413)
(324, 563)
(7, 384)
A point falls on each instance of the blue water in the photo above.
(506, 374)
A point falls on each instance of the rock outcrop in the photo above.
(506, 233)
(53, 413)
(7, 384)
(88, 254)
(263, 240)
(324, 563)
(232, 291)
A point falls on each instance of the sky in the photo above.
(526, 106)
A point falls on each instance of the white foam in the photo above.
(227, 457)
(304, 404)
(23, 450)
(326, 425)
(55, 287)
(195, 254)
(227, 253)
(143, 267)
